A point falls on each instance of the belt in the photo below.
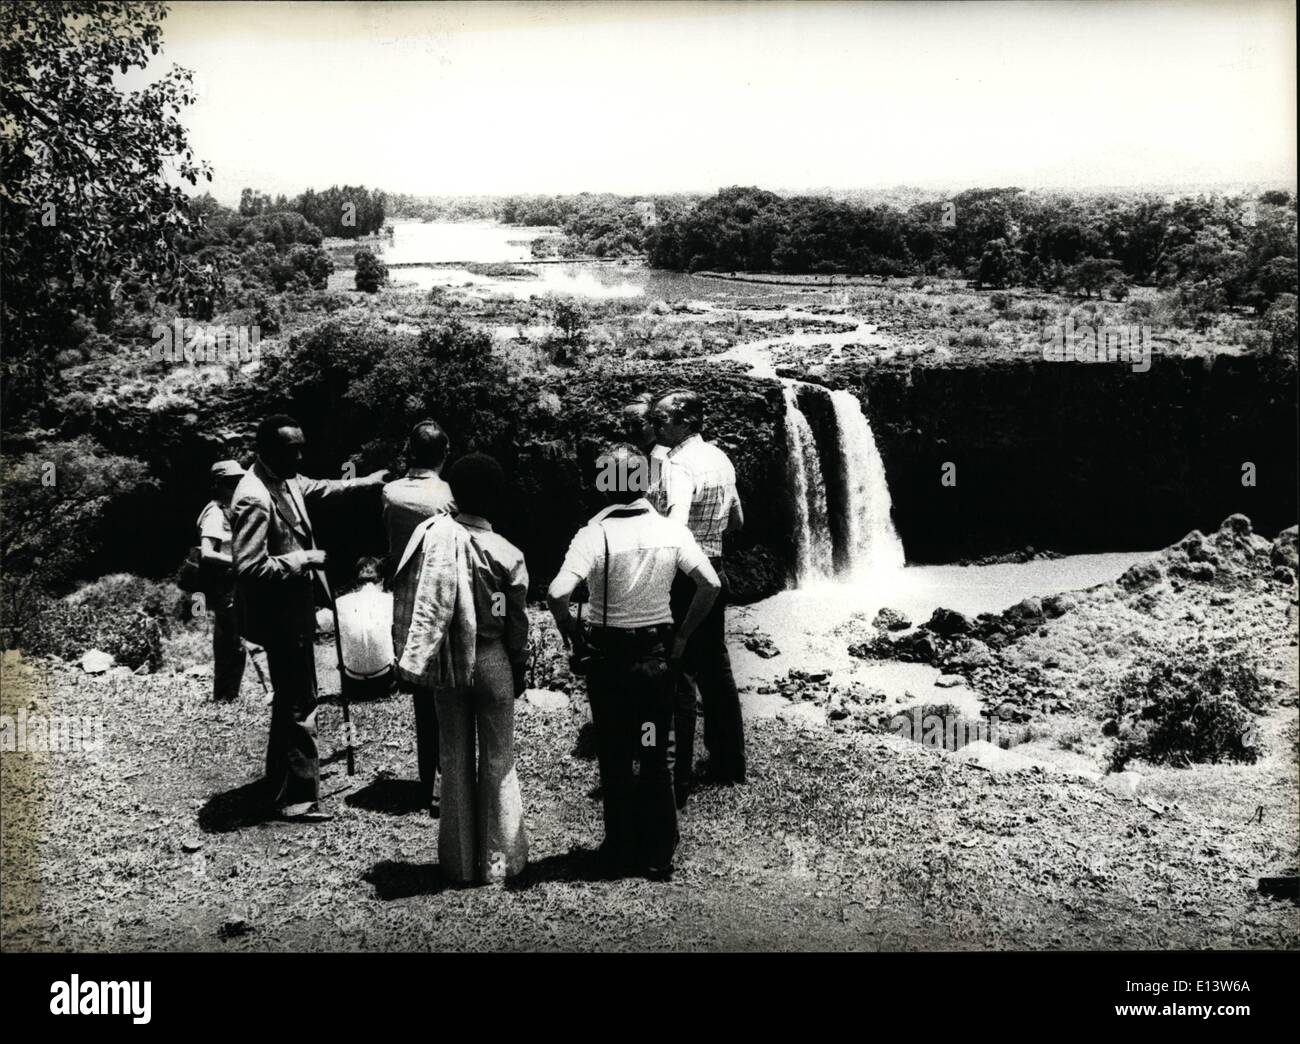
(368, 677)
(654, 632)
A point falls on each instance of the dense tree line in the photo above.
(347, 213)
(403, 207)
(596, 224)
(1234, 251)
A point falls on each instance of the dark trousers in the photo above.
(292, 763)
(228, 653)
(376, 687)
(426, 737)
(630, 691)
(706, 664)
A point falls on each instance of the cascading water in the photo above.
(813, 548)
(863, 542)
(872, 543)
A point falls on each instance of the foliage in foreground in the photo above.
(123, 615)
(56, 500)
(1194, 705)
(89, 195)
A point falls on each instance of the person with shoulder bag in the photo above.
(629, 554)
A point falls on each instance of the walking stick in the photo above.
(257, 667)
(343, 681)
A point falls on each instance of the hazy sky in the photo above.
(562, 97)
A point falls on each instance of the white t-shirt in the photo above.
(365, 623)
(645, 551)
(215, 523)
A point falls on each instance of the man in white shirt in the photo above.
(629, 555)
(365, 623)
(702, 494)
(228, 652)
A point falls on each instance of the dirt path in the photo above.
(837, 842)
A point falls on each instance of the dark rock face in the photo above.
(549, 454)
(1284, 552)
(1078, 457)
(1071, 457)
(948, 622)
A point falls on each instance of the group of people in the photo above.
(443, 617)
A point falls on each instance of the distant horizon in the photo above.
(1224, 188)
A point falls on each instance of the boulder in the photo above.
(1059, 604)
(968, 653)
(1238, 524)
(1142, 575)
(1026, 613)
(891, 620)
(1284, 550)
(96, 661)
(546, 700)
(1197, 548)
(948, 622)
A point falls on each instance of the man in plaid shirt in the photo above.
(701, 492)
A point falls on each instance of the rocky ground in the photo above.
(851, 836)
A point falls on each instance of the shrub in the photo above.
(313, 263)
(1195, 705)
(1280, 322)
(55, 501)
(131, 634)
(371, 272)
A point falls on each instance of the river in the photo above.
(439, 244)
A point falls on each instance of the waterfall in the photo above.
(854, 496)
(872, 543)
(813, 549)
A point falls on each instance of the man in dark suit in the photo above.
(277, 564)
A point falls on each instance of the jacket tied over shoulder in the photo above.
(434, 622)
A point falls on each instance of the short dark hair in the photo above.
(626, 460)
(478, 484)
(427, 445)
(634, 415)
(268, 432)
(686, 406)
(369, 570)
